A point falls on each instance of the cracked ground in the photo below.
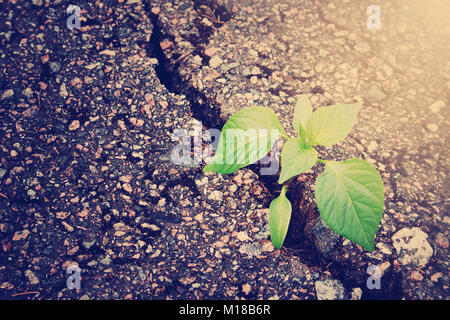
(86, 123)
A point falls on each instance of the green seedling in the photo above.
(349, 194)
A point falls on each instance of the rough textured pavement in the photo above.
(87, 118)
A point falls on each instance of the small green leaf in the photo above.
(329, 125)
(302, 112)
(295, 159)
(279, 217)
(245, 138)
(350, 198)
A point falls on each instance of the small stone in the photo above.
(432, 127)
(187, 280)
(356, 294)
(2, 173)
(134, 2)
(7, 94)
(435, 277)
(416, 276)
(242, 236)
(62, 215)
(20, 235)
(31, 277)
(127, 187)
(199, 217)
(206, 22)
(108, 52)
(215, 61)
(54, 66)
(67, 226)
(31, 193)
(74, 125)
(122, 125)
(441, 240)
(152, 227)
(156, 10)
(384, 248)
(211, 51)
(372, 147)
(216, 195)
(436, 106)
(106, 261)
(138, 155)
(126, 178)
(63, 90)
(412, 247)
(329, 290)
(246, 288)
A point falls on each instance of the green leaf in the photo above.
(245, 138)
(350, 198)
(302, 112)
(329, 125)
(295, 159)
(279, 217)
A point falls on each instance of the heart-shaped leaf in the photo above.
(245, 138)
(295, 159)
(329, 125)
(350, 198)
(279, 217)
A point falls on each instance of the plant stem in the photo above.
(284, 135)
(322, 161)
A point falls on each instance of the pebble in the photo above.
(31, 277)
(436, 106)
(372, 147)
(20, 235)
(432, 127)
(412, 247)
(216, 195)
(416, 276)
(7, 94)
(74, 125)
(356, 294)
(63, 90)
(329, 290)
(242, 236)
(246, 288)
(215, 61)
(54, 66)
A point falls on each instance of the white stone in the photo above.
(412, 247)
(329, 290)
(356, 294)
(372, 147)
(432, 127)
(216, 195)
(215, 61)
(437, 106)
